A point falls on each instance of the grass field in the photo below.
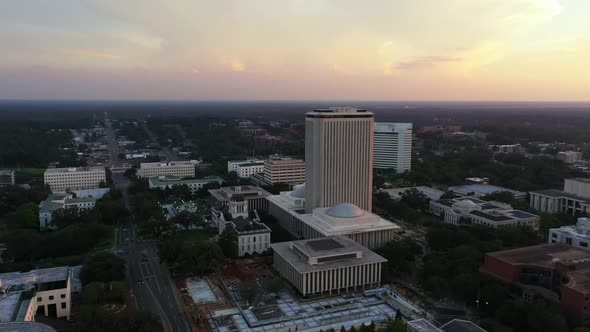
(192, 236)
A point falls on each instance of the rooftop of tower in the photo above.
(341, 111)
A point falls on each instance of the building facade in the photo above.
(45, 292)
(62, 179)
(392, 147)
(254, 196)
(181, 169)
(7, 178)
(57, 202)
(248, 169)
(339, 157)
(253, 237)
(476, 211)
(570, 157)
(554, 271)
(573, 199)
(577, 235)
(284, 170)
(327, 266)
(232, 165)
(194, 185)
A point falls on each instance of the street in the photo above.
(151, 287)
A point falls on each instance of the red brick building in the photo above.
(556, 272)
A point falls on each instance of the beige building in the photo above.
(339, 157)
(284, 170)
(74, 178)
(327, 266)
(570, 157)
(181, 169)
(45, 292)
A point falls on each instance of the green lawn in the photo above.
(192, 236)
(108, 243)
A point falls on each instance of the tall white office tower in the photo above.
(392, 147)
(338, 158)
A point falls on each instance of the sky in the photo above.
(489, 50)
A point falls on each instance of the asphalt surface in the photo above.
(151, 287)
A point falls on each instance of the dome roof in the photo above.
(466, 204)
(345, 210)
(299, 191)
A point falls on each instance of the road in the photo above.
(168, 154)
(151, 287)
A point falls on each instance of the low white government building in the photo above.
(56, 202)
(254, 196)
(73, 178)
(476, 211)
(574, 198)
(7, 178)
(343, 219)
(194, 185)
(45, 292)
(577, 235)
(181, 169)
(327, 266)
(246, 168)
(253, 236)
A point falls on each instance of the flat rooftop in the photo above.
(325, 247)
(431, 193)
(584, 180)
(544, 255)
(422, 325)
(248, 225)
(76, 169)
(248, 192)
(484, 189)
(169, 163)
(173, 180)
(556, 193)
(460, 325)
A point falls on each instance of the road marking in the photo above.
(157, 302)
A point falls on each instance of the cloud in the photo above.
(426, 61)
(86, 53)
(234, 64)
(195, 71)
(531, 11)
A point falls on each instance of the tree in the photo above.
(94, 318)
(27, 215)
(186, 219)
(228, 241)
(202, 258)
(111, 211)
(102, 268)
(73, 215)
(415, 199)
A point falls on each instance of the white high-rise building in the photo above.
(181, 169)
(338, 157)
(392, 147)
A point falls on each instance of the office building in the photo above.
(570, 157)
(248, 169)
(232, 165)
(7, 178)
(253, 236)
(45, 292)
(181, 169)
(343, 219)
(339, 157)
(479, 190)
(57, 202)
(556, 271)
(194, 185)
(472, 210)
(506, 148)
(254, 196)
(327, 266)
(392, 147)
(574, 198)
(577, 235)
(284, 170)
(73, 178)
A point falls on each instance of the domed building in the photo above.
(343, 219)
